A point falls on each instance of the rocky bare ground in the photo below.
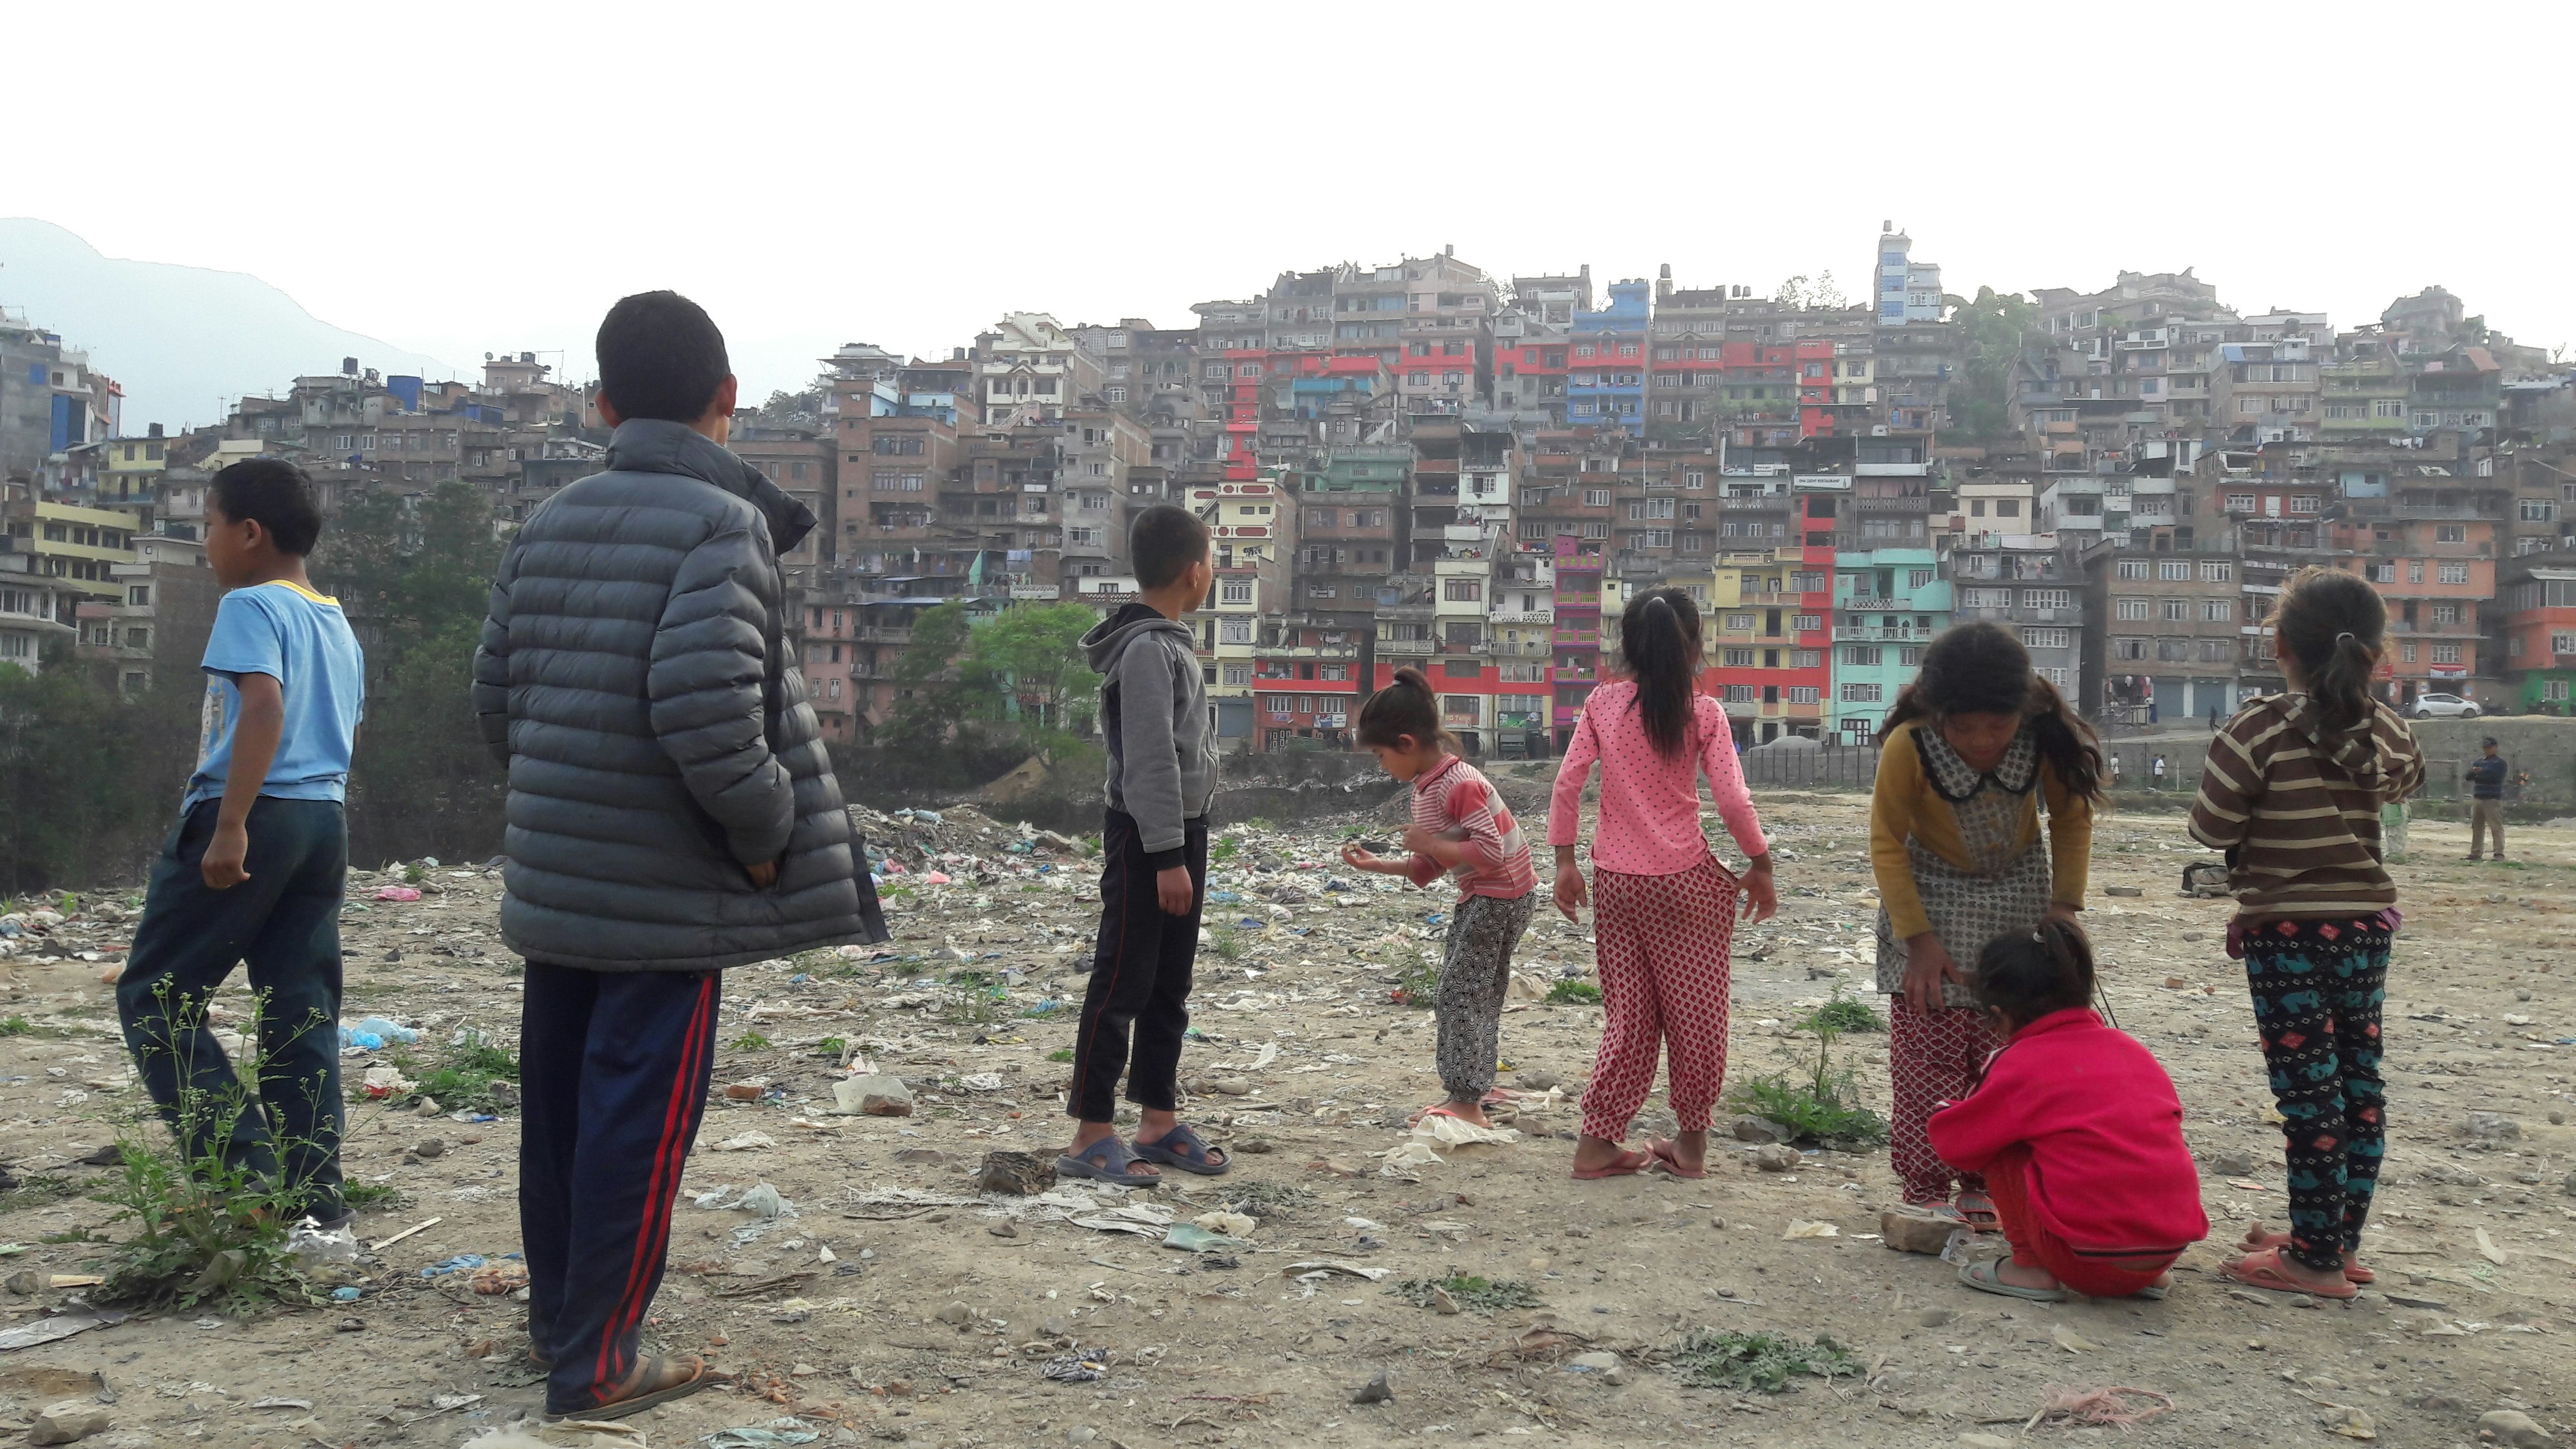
(899, 1304)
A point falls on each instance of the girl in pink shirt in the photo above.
(1667, 908)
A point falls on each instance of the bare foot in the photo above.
(1594, 1154)
(2019, 1275)
(1471, 1113)
(2257, 1239)
(1690, 1151)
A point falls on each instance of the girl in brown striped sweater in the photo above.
(2292, 792)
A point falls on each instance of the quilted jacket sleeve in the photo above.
(710, 654)
(492, 668)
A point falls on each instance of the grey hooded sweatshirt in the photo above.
(1154, 715)
(636, 678)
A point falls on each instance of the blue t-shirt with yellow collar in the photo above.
(303, 641)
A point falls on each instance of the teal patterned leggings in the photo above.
(2317, 988)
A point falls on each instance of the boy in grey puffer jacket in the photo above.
(1153, 876)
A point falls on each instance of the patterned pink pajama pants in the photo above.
(1930, 1059)
(1662, 944)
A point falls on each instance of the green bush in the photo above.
(1476, 1295)
(1574, 993)
(464, 1080)
(1757, 1362)
(1841, 1014)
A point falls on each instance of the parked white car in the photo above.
(2445, 706)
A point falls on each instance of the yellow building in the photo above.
(131, 469)
(77, 548)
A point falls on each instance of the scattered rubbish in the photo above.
(872, 1096)
(1145, 1220)
(1083, 1366)
(47, 1330)
(776, 1434)
(380, 1083)
(1609, 1367)
(1448, 1131)
(1233, 1225)
(313, 1248)
(396, 893)
(746, 1142)
(1023, 1174)
(1801, 1228)
(1411, 1153)
(502, 1278)
(2071, 1341)
(2114, 1407)
(461, 1263)
(1191, 1238)
(374, 1033)
(1375, 1391)
(1326, 1267)
(424, 1225)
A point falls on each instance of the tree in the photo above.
(1995, 329)
(1033, 654)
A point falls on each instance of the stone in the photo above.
(1535, 1081)
(2347, 1421)
(1759, 1129)
(1375, 1391)
(1985, 1441)
(2509, 1427)
(957, 1315)
(1021, 1174)
(2123, 891)
(1776, 1158)
(1231, 1086)
(1909, 1232)
(2557, 1117)
(743, 1091)
(68, 1422)
(922, 1156)
(2491, 1127)
(2232, 1164)
(429, 1147)
(26, 1281)
(1257, 1146)
(1609, 1366)
(1441, 1302)
(876, 1096)
(1936, 1317)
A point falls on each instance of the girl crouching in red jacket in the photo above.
(2077, 1130)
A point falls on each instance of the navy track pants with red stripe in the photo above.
(613, 1073)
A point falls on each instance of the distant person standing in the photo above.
(2486, 804)
(2158, 770)
(2115, 768)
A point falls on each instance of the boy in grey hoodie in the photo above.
(1153, 873)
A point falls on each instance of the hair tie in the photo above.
(2339, 638)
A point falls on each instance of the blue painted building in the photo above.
(1605, 379)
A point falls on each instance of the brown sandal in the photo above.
(2263, 1270)
(2256, 1239)
(650, 1370)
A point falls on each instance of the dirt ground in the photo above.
(893, 1307)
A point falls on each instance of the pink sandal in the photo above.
(1668, 1157)
(2264, 1270)
(1626, 1164)
(2256, 1238)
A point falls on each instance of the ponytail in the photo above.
(1404, 708)
(2335, 626)
(1659, 644)
(2027, 977)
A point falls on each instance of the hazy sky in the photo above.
(470, 180)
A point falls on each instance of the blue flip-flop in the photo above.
(1107, 1160)
(1183, 1149)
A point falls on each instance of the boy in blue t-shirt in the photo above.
(255, 870)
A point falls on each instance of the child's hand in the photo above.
(1422, 841)
(1173, 891)
(1761, 901)
(1359, 858)
(1571, 894)
(222, 864)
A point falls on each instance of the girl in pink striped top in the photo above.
(1667, 909)
(1462, 829)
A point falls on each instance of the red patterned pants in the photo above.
(1930, 1059)
(1662, 944)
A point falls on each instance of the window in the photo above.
(2131, 608)
(2383, 573)
(2538, 510)
(2217, 611)
(1986, 598)
(2046, 638)
(138, 594)
(1860, 693)
(1739, 623)
(1235, 591)
(2446, 613)
(1918, 579)
(2216, 651)
(2240, 502)
(2562, 643)
(1863, 654)
(2446, 653)
(1596, 497)
(2454, 573)
(1238, 674)
(2176, 610)
(2174, 570)
(1739, 658)
(1807, 622)
(1237, 630)
(1806, 659)
(2047, 598)
(1337, 671)
(2128, 648)
(2414, 571)
(1596, 530)
(2173, 651)
(2133, 568)
(2217, 571)
(2450, 533)
(1655, 538)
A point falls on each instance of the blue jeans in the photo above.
(284, 922)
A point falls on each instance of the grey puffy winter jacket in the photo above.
(634, 676)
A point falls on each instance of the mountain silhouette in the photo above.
(176, 338)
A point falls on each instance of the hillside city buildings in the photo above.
(1424, 463)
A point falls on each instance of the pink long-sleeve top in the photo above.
(1455, 801)
(1650, 804)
